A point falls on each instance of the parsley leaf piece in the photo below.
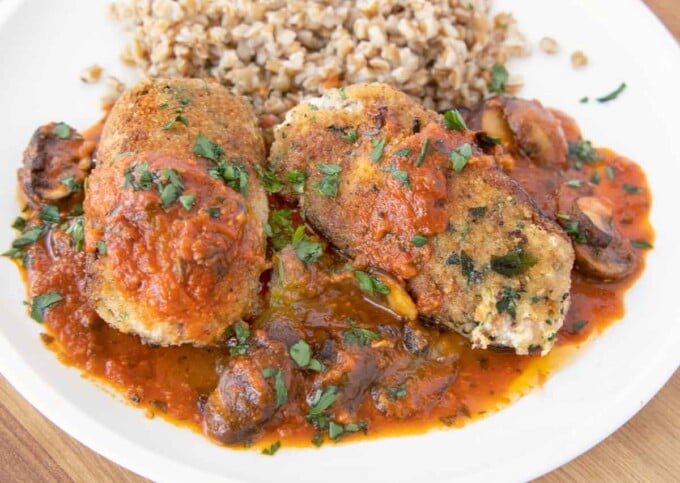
(187, 201)
(578, 326)
(358, 335)
(370, 284)
(467, 267)
(419, 240)
(232, 174)
(101, 247)
(297, 178)
(350, 136)
(342, 93)
(596, 177)
(77, 231)
(583, 150)
(512, 264)
(508, 301)
(632, 189)
(398, 174)
(178, 119)
(71, 183)
(573, 230)
(574, 183)
(50, 214)
(30, 236)
(322, 400)
(301, 353)
(62, 130)
(19, 223)
(640, 244)
(271, 451)
(206, 148)
(270, 181)
(280, 388)
(378, 148)
(460, 157)
(328, 186)
(610, 172)
(499, 76)
(423, 152)
(280, 228)
(612, 95)
(42, 302)
(403, 152)
(173, 187)
(396, 392)
(454, 121)
(305, 249)
(242, 333)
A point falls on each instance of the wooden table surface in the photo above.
(646, 449)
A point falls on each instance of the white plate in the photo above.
(45, 44)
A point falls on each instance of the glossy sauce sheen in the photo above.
(175, 382)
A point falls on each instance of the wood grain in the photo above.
(645, 449)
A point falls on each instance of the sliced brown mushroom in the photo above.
(523, 126)
(600, 249)
(55, 163)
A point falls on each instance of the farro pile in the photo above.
(278, 52)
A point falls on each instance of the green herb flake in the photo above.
(77, 231)
(578, 326)
(612, 95)
(611, 174)
(514, 263)
(342, 93)
(170, 186)
(403, 152)
(454, 121)
(572, 229)
(467, 267)
(187, 201)
(280, 228)
(423, 152)
(301, 353)
(398, 174)
(359, 336)
(370, 284)
(328, 185)
(499, 76)
(178, 119)
(206, 148)
(632, 189)
(378, 148)
(305, 249)
(101, 247)
(583, 150)
(321, 401)
(641, 244)
(270, 181)
(232, 174)
(71, 184)
(584, 100)
(396, 392)
(508, 302)
(350, 136)
(574, 183)
(280, 388)
(297, 179)
(419, 240)
(596, 178)
(213, 212)
(50, 214)
(460, 157)
(271, 451)
(42, 302)
(317, 440)
(184, 100)
(19, 223)
(30, 236)
(242, 333)
(62, 130)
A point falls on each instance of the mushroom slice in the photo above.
(600, 249)
(55, 163)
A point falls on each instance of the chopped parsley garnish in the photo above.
(508, 301)
(613, 95)
(454, 121)
(50, 214)
(42, 302)
(77, 231)
(138, 177)
(578, 326)
(423, 152)
(30, 236)
(453, 259)
(632, 189)
(184, 100)
(378, 148)
(574, 183)
(640, 244)
(101, 247)
(270, 181)
(242, 333)
(419, 240)
(460, 157)
(187, 201)
(396, 392)
(398, 174)
(170, 186)
(572, 229)
(297, 178)
(301, 353)
(342, 93)
(232, 174)
(499, 76)
(279, 384)
(370, 284)
(477, 212)
(596, 177)
(280, 228)
(178, 119)
(271, 451)
(584, 100)
(611, 174)
(317, 440)
(305, 249)
(320, 402)
(328, 186)
(62, 130)
(19, 223)
(359, 336)
(71, 183)
(335, 430)
(350, 136)
(486, 141)
(213, 212)
(403, 152)
(512, 264)
(583, 150)
(467, 266)
(206, 148)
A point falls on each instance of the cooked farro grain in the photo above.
(549, 45)
(277, 52)
(579, 59)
